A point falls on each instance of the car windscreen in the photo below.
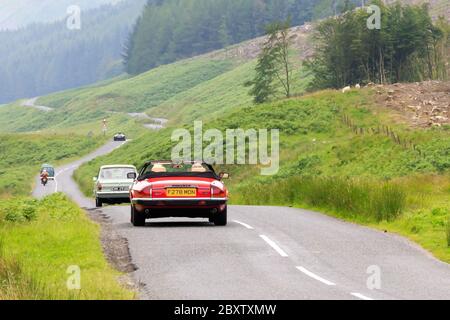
(178, 170)
(115, 173)
(50, 170)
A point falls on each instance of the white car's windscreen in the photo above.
(115, 173)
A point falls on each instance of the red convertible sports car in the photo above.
(168, 189)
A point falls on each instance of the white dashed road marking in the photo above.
(274, 246)
(360, 296)
(243, 224)
(316, 277)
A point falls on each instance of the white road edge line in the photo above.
(58, 174)
(274, 246)
(360, 296)
(243, 224)
(314, 276)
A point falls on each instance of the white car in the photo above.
(113, 184)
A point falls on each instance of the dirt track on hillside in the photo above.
(421, 104)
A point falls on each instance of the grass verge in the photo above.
(40, 241)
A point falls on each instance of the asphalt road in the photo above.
(267, 253)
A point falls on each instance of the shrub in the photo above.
(14, 216)
(20, 210)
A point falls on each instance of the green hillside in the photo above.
(195, 88)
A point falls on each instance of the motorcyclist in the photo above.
(44, 176)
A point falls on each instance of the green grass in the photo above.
(368, 200)
(203, 87)
(214, 98)
(23, 154)
(123, 95)
(40, 239)
(37, 250)
(447, 231)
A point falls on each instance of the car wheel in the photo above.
(137, 218)
(98, 203)
(221, 218)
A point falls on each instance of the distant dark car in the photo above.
(120, 137)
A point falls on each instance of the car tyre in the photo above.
(221, 218)
(137, 218)
(98, 203)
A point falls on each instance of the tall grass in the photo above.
(36, 253)
(447, 230)
(356, 197)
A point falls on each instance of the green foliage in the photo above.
(273, 64)
(352, 197)
(43, 58)
(170, 30)
(408, 47)
(114, 99)
(20, 210)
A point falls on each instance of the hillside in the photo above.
(174, 84)
(342, 154)
(44, 58)
(20, 13)
(171, 30)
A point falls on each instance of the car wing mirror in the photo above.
(132, 176)
(224, 175)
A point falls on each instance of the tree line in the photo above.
(407, 47)
(44, 58)
(169, 30)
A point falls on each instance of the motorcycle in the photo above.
(44, 181)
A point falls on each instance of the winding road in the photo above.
(31, 103)
(267, 253)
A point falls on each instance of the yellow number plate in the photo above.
(182, 192)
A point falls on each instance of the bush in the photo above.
(18, 210)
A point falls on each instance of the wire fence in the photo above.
(380, 130)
